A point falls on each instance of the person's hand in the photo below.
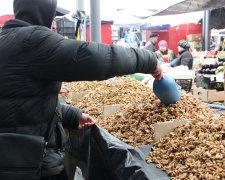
(64, 89)
(85, 121)
(158, 73)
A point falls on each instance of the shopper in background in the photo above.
(150, 45)
(122, 42)
(212, 44)
(34, 61)
(185, 57)
(222, 44)
(127, 36)
(164, 54)
(133, 43)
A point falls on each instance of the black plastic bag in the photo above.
(108, 158)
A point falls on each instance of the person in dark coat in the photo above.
(150, 45)
(185, 57)
(33, 63)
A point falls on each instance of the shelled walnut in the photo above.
(80, 87)
(193, 151)
(134, 123)
(122, 90)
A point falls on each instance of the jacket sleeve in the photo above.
(70, 116)
(58, 59)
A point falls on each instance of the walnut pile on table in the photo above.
(193, 151)
(134, 123)
(81, 86)
(122, 90)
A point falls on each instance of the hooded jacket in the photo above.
(33, 63)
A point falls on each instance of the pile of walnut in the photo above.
(134, 123)
(122, 90)
(80, 87)
(193, 151)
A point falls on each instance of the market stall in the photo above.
(209, 67)
(120, 146)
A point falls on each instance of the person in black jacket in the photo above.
(33, 63)
(185, 57)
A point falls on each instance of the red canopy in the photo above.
(5, 18)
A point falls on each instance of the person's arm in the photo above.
(174, 56)
(74, 118)
(59, 59)
(70, 116)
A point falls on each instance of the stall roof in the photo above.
(192, 6)
(129, 25)
(148, 26)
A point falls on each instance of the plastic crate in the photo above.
(185, 84)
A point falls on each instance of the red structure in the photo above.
(176, 33)
(106, 32)
(179, 32)
(5, 18)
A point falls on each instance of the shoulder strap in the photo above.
(51, 126)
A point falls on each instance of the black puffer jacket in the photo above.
(33, 63)
(185, 58)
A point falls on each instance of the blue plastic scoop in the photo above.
(166, 90)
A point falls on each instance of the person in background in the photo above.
(127, 36)
(222, 44)
(133, 43)
(142, 44)
(34, 61)
(212, 44)
(164, 54)
(122, 42)
(150, 45)
(185, 57)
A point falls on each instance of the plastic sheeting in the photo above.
(99, 155)
(192, 6)
(106, 157)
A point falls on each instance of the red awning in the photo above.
(5, 18)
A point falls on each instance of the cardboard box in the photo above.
(196, 45)
(78, 96)
(194, 37)
(108, 110)
(161, 129)
(208, 95)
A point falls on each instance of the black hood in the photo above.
(36, 12)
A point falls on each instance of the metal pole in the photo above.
(207, 29)
(80, 5)
(95, 21)
(203, 30)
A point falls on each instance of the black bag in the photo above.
(21, 155)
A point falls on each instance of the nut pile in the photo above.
(121, 90)
(80, 87)
(134, 123)
(193, 151)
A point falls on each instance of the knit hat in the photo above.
(184, 44)
(163, 43)
(153, 35)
